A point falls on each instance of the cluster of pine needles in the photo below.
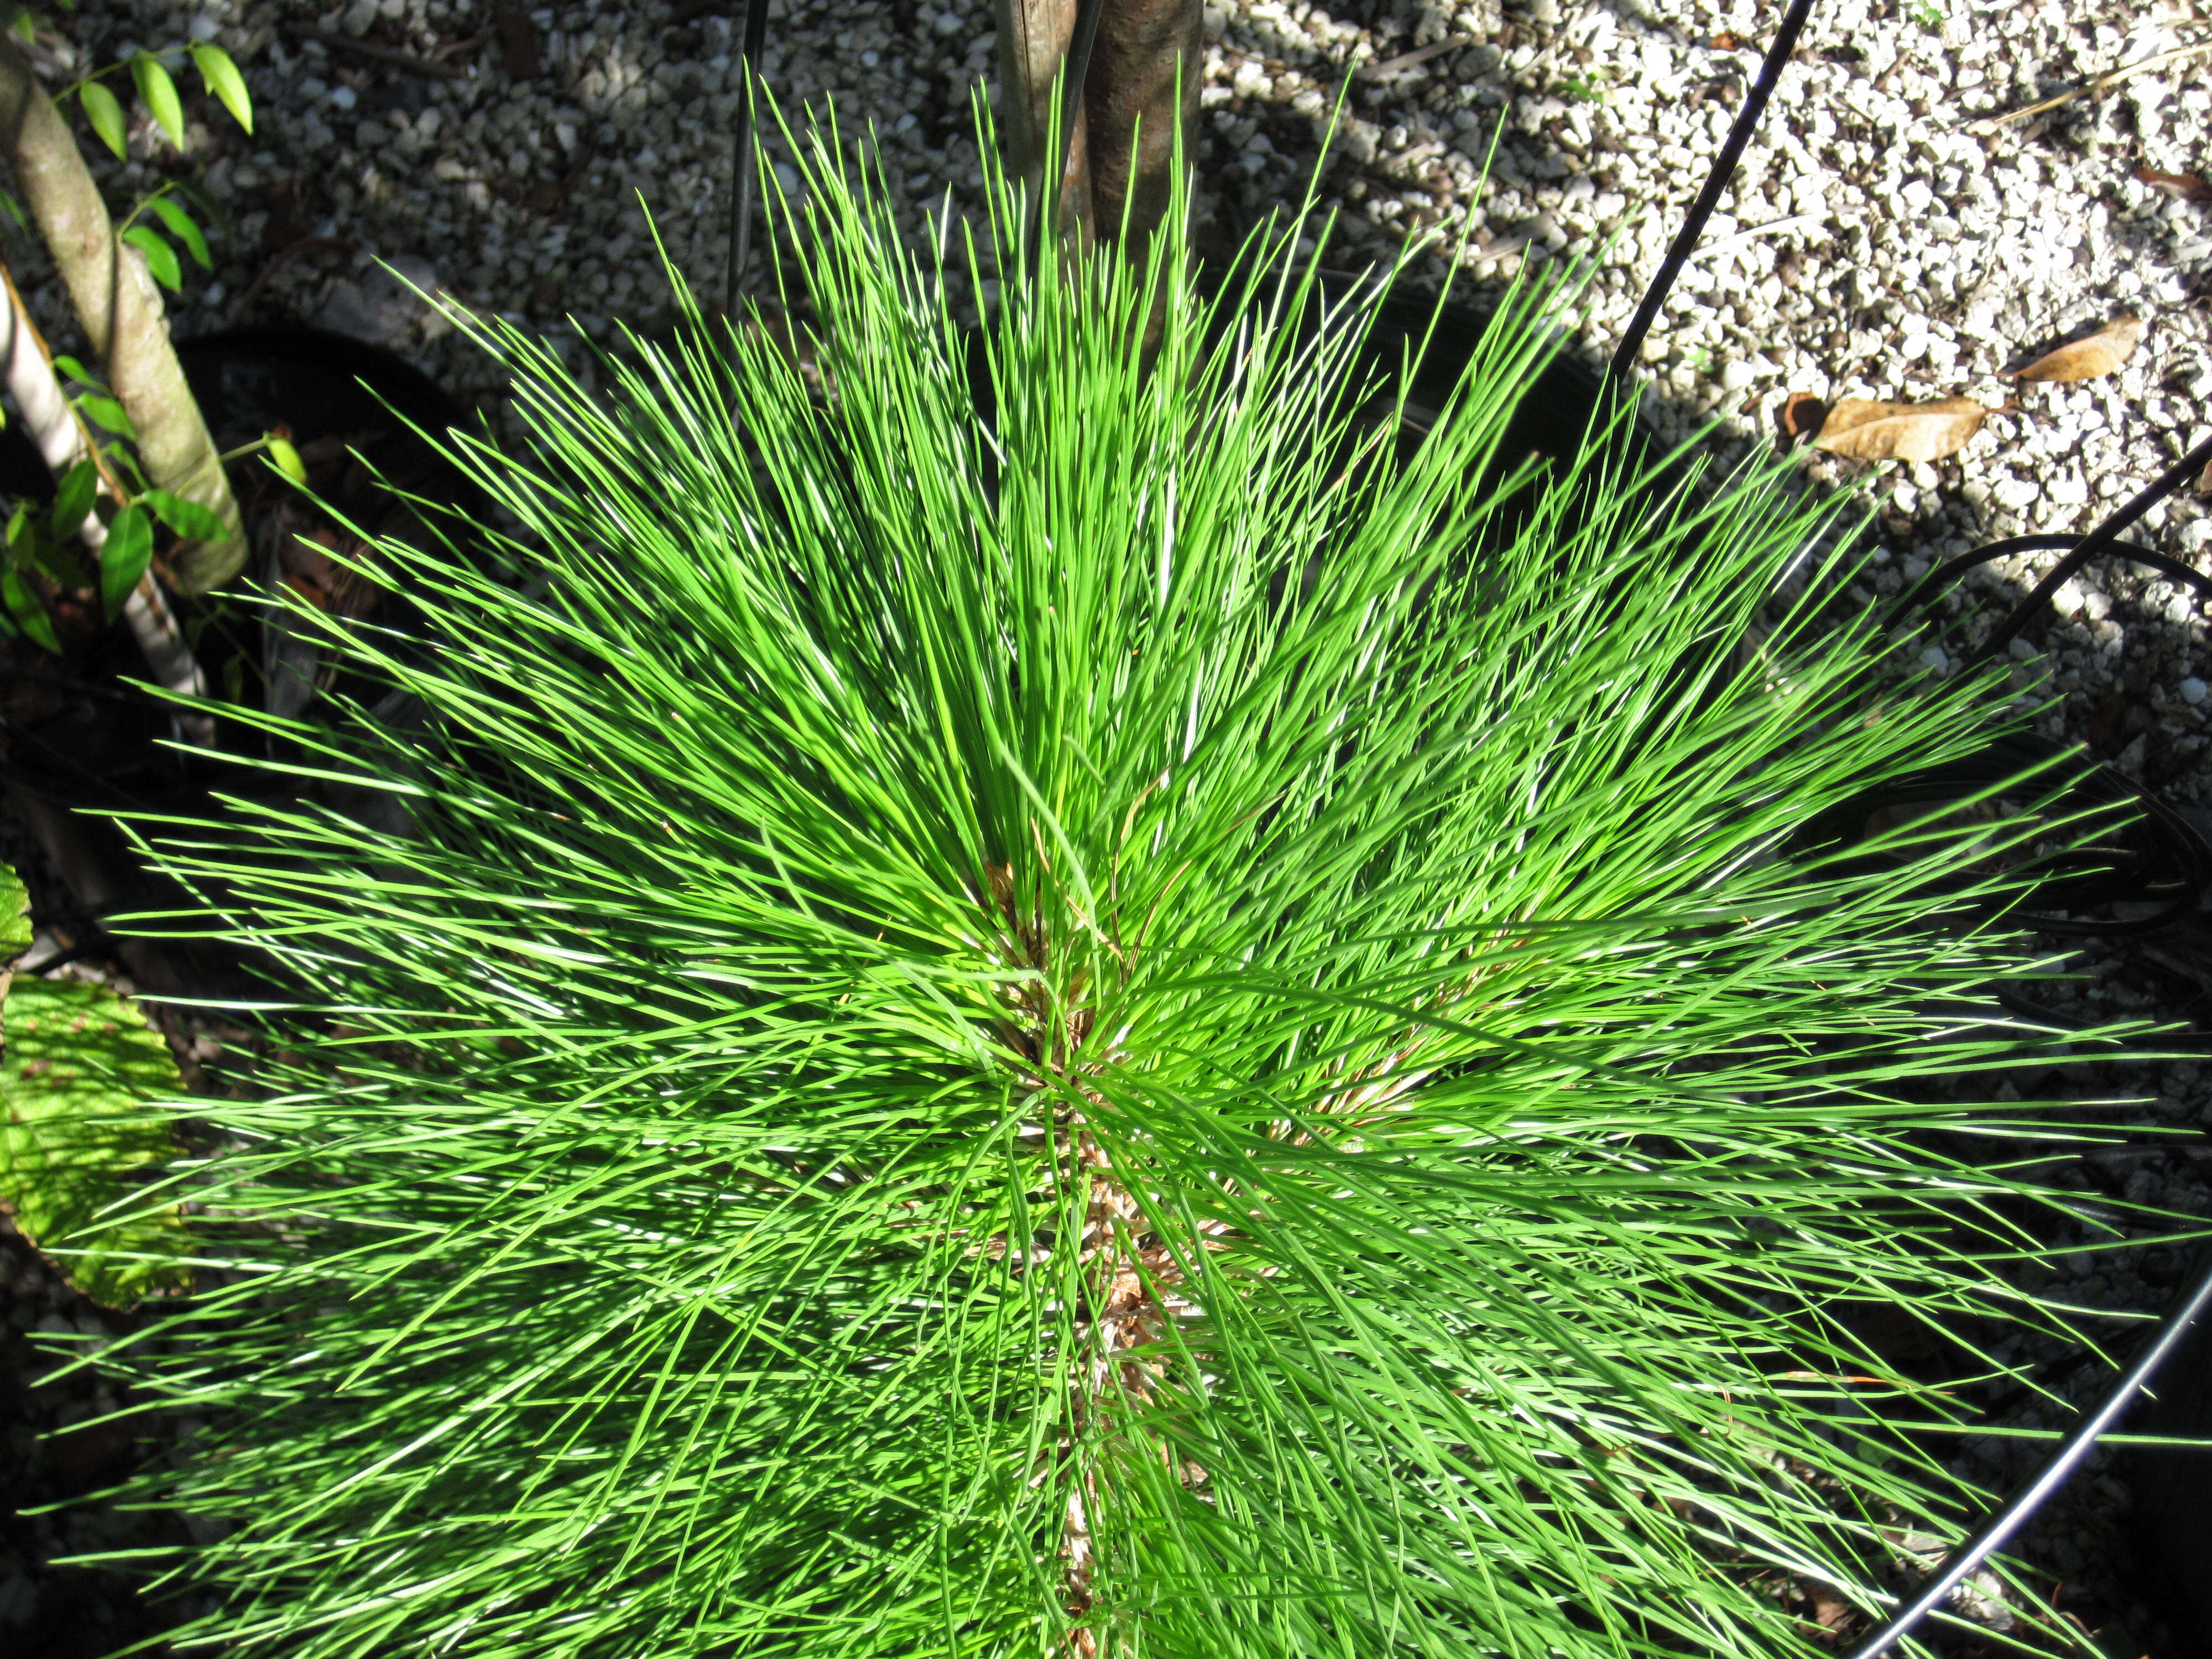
(1100, 1020)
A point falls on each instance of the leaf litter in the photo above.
(2090, 357)
(2187, 186)
(1863, 429)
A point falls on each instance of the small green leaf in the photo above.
(105, 114)
(14, 210)
(24, 27)
(14, 917)
(224, 80)
(107, 412)
(181, 227)
(29, 614)
(161, 258)
(32, 546)
(286, 458)
(70, 369)
(120, 459)
(73, 501)
(130, 549)
(76, 1131)
(191, 521)
(159, 94)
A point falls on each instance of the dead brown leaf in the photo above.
(1829, 1608)
(518, 41)
(1800, 415)
(1861, 429)
(1726, 42)
(2186, 185)
(2085, 359)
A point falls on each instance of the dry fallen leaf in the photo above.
(1829, 1609)
(1861, 429)
(1801, 414)
(2086, 358)
(2186, 185)
(1726, 42)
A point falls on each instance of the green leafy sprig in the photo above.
(48, 540)
(105, 114)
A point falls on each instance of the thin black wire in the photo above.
(1940, 576)
(1076, 66)
(2097, 541)
(1731, 150)
(741, 174)
(2009, 1520)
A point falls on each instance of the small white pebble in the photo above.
(2192, 691)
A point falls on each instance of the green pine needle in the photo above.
(1081, 1033)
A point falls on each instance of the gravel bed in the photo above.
(1877, 242)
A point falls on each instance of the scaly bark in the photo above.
(120, 311)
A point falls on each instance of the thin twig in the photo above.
(407, 60)
(152, 622)
(99, 945)
(1984, 125)
(1743, 239)
(1406, 60)
(466, 43)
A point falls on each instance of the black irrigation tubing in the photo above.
(1075, 71)
(1717, 181)
(741, 169)
(2099, 540)
(2188, 1309)
(2180, 847)
(1931, 585)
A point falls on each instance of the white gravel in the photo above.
(1875, 244)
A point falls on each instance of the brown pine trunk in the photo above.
(119, 309)
(1141, 85)
(1033, 42)
(1130, 103)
